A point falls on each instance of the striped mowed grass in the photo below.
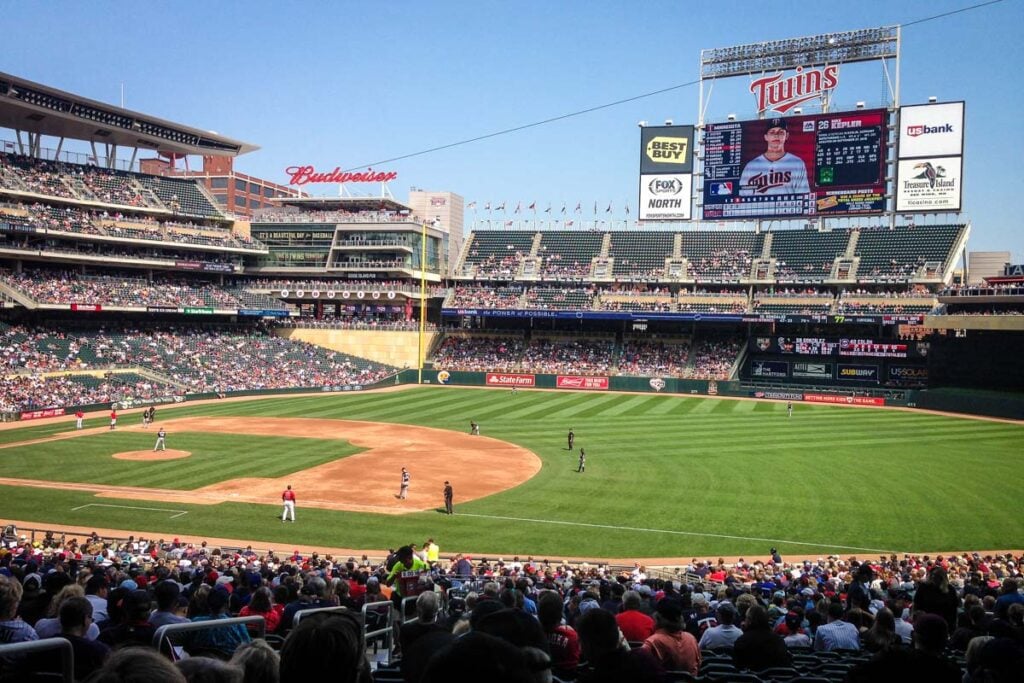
(666, 476)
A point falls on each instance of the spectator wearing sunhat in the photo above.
(673, 647)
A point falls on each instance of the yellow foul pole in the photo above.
(423, 303)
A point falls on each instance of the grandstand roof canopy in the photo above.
(35, 108)
(353, 204)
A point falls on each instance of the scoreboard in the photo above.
(842, 156)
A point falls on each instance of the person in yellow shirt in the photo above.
(432, 551)
(407, 562)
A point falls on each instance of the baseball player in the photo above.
(583, 461)
(515, 390)
(449, 494)
(403, 490)
(572, 438)
(776, 171)
(79, 416)
(160, 437)
(474, 429)
(789, 409)
(113, 419)
(288, 498)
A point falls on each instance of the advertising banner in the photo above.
(813, 370)
(188, 265)
(932, 184)
(845, 400)
(779, 395)
(928, 130)
(263, 312)
(198, 311)
(857, 373)
(87, 308)
(218, 267)
(504, 379)
(161, 309)
(666, 149)
(769, 369)
(914, 373)
(666, 197)
(581, 382)
(39, 414)
(786, 167)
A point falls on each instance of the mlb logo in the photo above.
(723, 189)
(914, 131)
(808, 126)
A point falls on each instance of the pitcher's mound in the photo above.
(169, 454)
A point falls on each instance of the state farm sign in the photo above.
(304, 175)
(502, 379)
(580, 382)
(782, 94)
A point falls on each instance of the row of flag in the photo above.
(532, 206)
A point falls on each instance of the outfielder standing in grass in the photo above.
(288, 498)
(160, 436)
(79, 416)
(572, 438)
(789, 409)
(583, 461)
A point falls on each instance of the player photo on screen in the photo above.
(795, 166)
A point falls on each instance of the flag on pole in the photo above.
(563, 207)
(508, 224)
(471, 205)
(595, 207)
(609, 209)
(569, 224)
(487, 206)
(500, 207)
(548, 210)
(532, 206)
(627, 209)
(579, 207)
(519, 207)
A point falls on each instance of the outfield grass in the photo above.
(666, 476)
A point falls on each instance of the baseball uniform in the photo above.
(160, 436)
(762, 177)
(288, 498)
(404, 490)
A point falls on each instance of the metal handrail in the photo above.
(169, 629)
(67, 654)
(305, 612)
(387, 630)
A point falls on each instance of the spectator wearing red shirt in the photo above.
(634, 624)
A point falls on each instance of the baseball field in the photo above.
(666, 476)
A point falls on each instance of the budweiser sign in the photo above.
(304, 175)
(581, 382)
(782, 94)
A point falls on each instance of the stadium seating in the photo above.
(497, 253)
(567, 255)
(195, 360)
(724, 256)
(806, 255)
(640, 255)
(897, 255)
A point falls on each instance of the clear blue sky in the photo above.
(349, 83)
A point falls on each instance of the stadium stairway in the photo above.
(18, 296)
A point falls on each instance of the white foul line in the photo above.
(181, 513)
(675, 532)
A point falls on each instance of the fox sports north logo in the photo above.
(665, 186)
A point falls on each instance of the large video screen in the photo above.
(796, 166)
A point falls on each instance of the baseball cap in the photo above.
(777, 122)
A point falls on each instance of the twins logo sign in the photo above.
(657, 383)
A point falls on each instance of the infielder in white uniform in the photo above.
(776, 171)
(160, 436)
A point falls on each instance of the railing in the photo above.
(168, 630)
(67, 654)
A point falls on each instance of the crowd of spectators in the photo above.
(478, 353)
(65, 287)
(721, 264)
(505, 267)
(653, 358)
(294, 216)
(486, 297)
(195, 360)
(395, 322)
(33, 392)
(945, 619)
(714, 358)
(987, 289)
(103, 223)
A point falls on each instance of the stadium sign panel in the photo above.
(845, 400)
(928, 130)
(797, 166)
(666, 196)
(305, 175)
(666, 149)
(504, 379)
(782, 94)
(932, 184)
(581, 382)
